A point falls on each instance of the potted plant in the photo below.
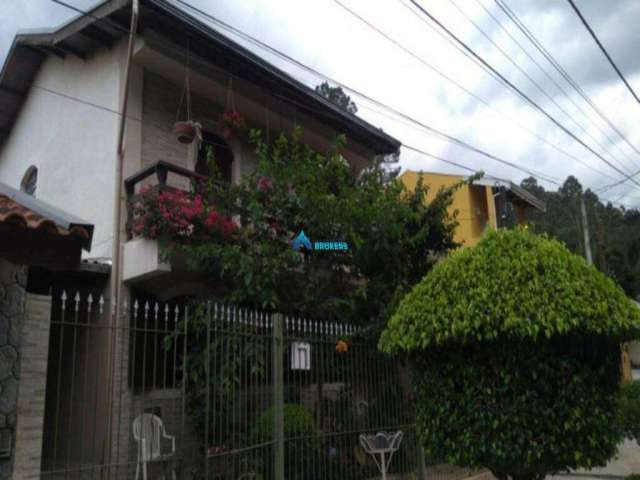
(187, 131)
(230, 121)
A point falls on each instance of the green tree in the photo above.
(337, 96)
(615, 231)
(516, 348)
(394, 236)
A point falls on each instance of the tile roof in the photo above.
(12, 212)
(21, 210)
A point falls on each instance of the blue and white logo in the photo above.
(302, 241)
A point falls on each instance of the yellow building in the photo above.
(483, 204)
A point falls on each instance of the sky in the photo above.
(427, 78)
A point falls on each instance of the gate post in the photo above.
(278, 397)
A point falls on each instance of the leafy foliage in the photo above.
(393, 236)
(179, 216)
(630, 410)
(520, 408)
(512, 284)
(298, 422)
(302, 444)
(516, 350)
(615, 231)
(336, 95)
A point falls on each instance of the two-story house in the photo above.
(88, 114)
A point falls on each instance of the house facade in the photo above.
(82, 100)
(485, 203)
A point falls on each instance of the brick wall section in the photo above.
(159, 106)
(33, 382)
(160, 101)
(13, 279)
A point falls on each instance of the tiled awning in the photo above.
(33, 232)
(23, 210)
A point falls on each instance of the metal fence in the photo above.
(210, 391)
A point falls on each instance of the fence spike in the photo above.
(125, 306)
(166, 313)
(101, 304)
(156, 308)
(77, 301)
(177, 314)
(89, 302)
(136, 306)
(146, 310)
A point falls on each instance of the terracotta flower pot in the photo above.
(186, 131)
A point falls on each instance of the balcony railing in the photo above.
(161, 171)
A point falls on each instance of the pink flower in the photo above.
(264, 183)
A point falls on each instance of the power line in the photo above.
(431, 130)
(604, 50)
(467, 91)
(550, 77)
(405, 117)
(520, 92)
(491, 73)
(563, 73)
(539, 87)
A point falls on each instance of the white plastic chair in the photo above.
(149, 431)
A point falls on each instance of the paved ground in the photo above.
(626, 463)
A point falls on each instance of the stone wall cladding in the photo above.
(13, 279)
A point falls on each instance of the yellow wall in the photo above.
(475, 204)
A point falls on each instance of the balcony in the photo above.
(143, 261)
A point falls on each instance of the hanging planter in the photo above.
(231, 121)
(187, 131)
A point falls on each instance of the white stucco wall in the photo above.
(73, 144)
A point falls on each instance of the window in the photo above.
(214, 157)
(30, 181)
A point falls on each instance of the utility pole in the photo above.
(585, 230)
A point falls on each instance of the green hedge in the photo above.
(302, 441)
(520, 408)
(515, 284)
(516, 348)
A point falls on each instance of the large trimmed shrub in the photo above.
(516, 346)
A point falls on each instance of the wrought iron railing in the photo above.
(225, 392)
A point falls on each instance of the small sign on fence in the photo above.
(300, 356)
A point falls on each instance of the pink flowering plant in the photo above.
(180, 217)
(231, 121)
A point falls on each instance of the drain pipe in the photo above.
(116, 248)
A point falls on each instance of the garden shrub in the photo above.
(630, 410)
(516, 348)
(302, 442)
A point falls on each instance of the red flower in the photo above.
(264, 183)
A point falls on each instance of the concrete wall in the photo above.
(71, 141)
(13, 279)
(475, 204)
